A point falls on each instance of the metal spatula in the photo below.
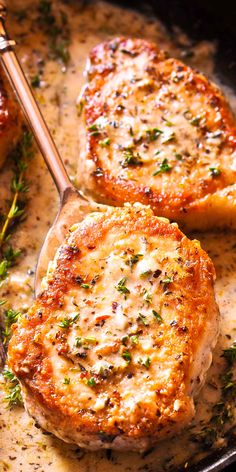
(73, 205)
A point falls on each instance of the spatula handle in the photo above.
(31, 110)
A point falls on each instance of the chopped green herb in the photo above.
(167, 122)
(83, 342)
(153, 134)
(131, 131)
(67, 322)
(91, 340)
(147, 296)
(167, 280)
(134, 339)
(131, 159)
(78, 341)
(147, 363)
(167, 139)
(86, 286)
(121, 287)
(143, 319)
(104, 142)
(196, 120)
(215, 171)
(145, 274)
(35, 81)
(91, 382)
(178, 156)
(157, 316)
(127, 356)
(132, 260)
(177, 78)
(164, 167)
(66, 381)
(124, 340)
(95, 130)
(10, 255)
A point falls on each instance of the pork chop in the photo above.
(114, 350)
(160, 133)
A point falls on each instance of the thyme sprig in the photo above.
(13, 391)
(16, 211)
(57, 29)
(10, 317)
(223, 410)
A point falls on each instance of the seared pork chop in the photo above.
(114, 350)
(160, 133)
(10, 119)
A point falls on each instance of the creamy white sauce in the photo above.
(23, 447)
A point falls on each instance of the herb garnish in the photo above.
(21, 155)
(145, 274)
(134, 339)
(167, 280)
(168, 138)
(147, 296)
(153, 134)
(143, 319)
(157, 316)
(215, 171)
(121, 287)
(104, 142)
(127, 356)
(83, 342)
(131, 159)
(91, 382)
(13, 397)
(223, 410)
(145, 363)
(10, 317)
(230, 354)
(67, 322)
(95, 129)
(66, 381)
(35, 81)
(83, 285)
(195, 121)
(178, 156)
(132, 260)
(57, 29)
(164, 167)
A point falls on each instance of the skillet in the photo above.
(203, 20)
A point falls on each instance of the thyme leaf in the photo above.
(13, 391)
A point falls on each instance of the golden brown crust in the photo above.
(136, 89)
(143, 401)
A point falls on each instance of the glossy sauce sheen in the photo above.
(23, 447)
